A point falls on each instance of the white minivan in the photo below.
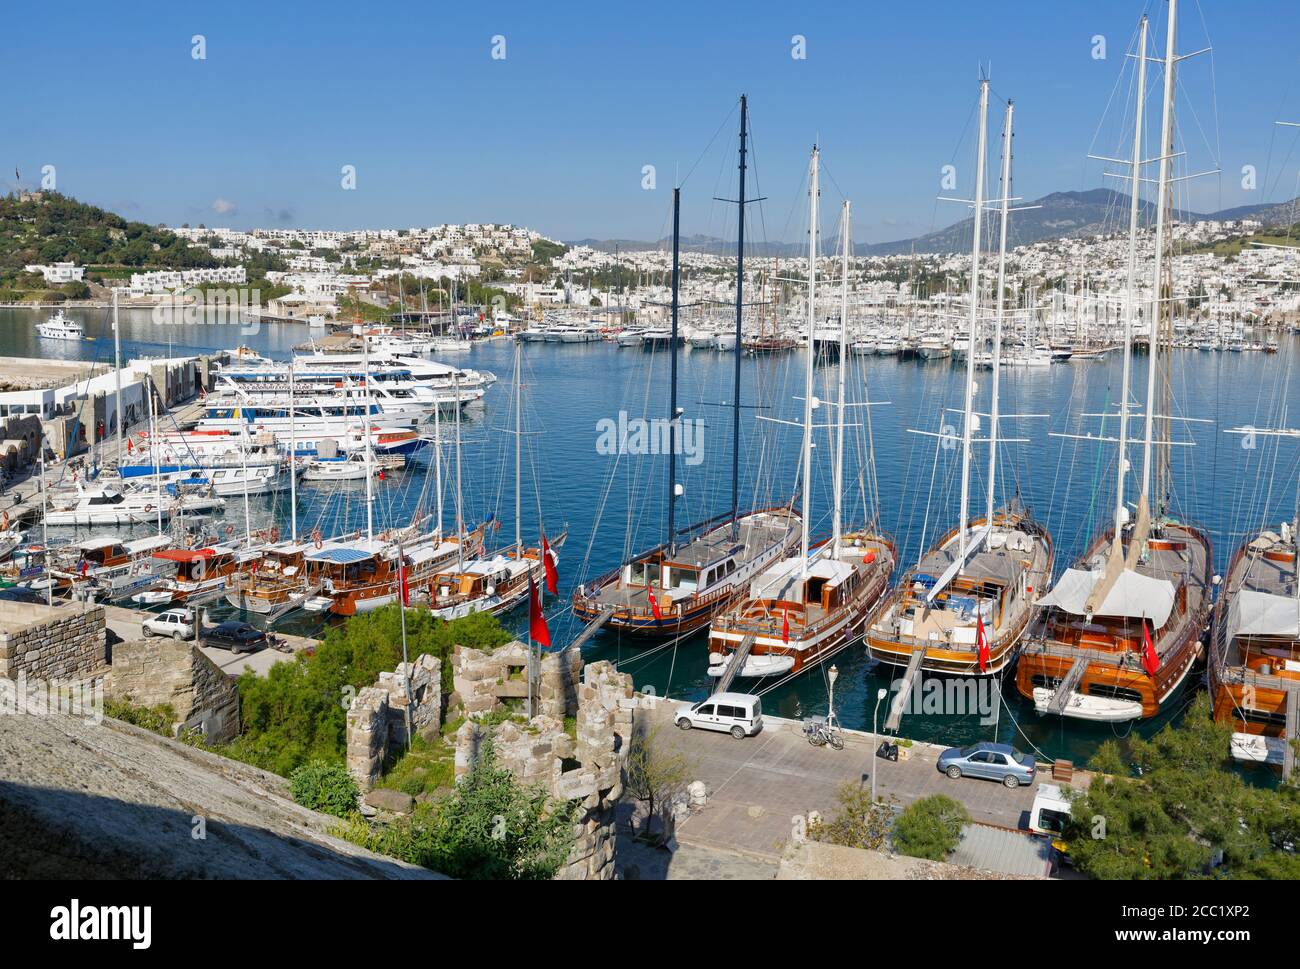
(740, 714)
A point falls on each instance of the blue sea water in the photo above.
(614, 504)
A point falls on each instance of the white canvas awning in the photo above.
(1263, 614)
(784, 580)
(1133, 596)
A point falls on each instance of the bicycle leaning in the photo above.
(821, 732)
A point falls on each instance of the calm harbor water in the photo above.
(613, 504)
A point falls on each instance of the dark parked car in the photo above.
(238, 637)
(19, 594)
(995, 762)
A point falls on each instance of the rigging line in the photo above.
(700, 158)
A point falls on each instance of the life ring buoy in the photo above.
(275, 533)
(319, 543)
(148, 508)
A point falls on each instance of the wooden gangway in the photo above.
(895, 718)
(1063, 689)
(592, 627)
(738, 657)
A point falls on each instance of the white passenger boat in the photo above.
(110, 505)
(59, 327)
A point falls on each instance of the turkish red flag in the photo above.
(785, 626)
(654, 605)
(983, 642)
(548, 561)
(1150, 662)
(537, 630)
(129, 446)
(401, 582)
(381, 474)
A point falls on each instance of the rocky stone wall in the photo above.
(484, 682)
(376, 721)
(153, 672)
(45, 643)
(586, 768)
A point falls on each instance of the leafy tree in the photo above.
(298, 711)
(655, 772)
(930, 828)
(325, 786)
(489, 827)
(859, 823)
(1186, 814)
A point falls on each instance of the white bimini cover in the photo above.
(1263, 614)
(1133, 596)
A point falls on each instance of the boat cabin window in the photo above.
(685, 580)
(642, 573)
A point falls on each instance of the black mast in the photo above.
(672, 356)
(740, 299)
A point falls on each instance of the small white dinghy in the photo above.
(755, 666)
(1083, 707)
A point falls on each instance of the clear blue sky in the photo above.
(555, 135)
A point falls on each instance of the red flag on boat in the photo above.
(654, 605)
(983, 642)
(381, 474)
(1150, 662)
(130, 448)
(785, 626)
(401, 582)
(537, 630)
(548, 562)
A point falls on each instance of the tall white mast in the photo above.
(1162, 186)
(846, 228)
(117, 370)
(1001, 300)
(460, 518)
(813, 192)
(365, 441)
(519, 540)
(153, 440)
(1131, 292)
(968, 410)
(437, 461)
(293, 458)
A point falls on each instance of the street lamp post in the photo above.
(831, 675)
(875, 738)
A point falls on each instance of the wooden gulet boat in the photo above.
(805, 609)
(963, 608)
(1254, 664)
(1121, 629)
(679, 585)
(500, 582)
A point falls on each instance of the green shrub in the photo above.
(930, 828)
(298, 711)
(324, 786)
(489, 827)
(859, 823)
(158, 719)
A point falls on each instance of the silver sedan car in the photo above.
(995, 762)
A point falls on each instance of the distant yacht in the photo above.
(59, 327)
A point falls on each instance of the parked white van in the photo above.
(740, 714)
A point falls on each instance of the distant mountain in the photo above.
(1059, 215)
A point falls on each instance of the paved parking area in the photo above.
(757, 785)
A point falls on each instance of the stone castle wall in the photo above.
(153, 672)
(586, 768)
(64, 642)
(376, 721)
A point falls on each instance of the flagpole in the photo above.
(401, 611)
(531, 599)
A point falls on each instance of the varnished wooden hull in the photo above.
(1044, 661)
